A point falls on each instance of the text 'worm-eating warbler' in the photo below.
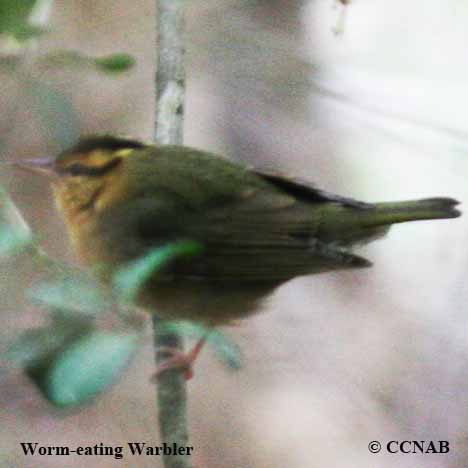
(121, 198)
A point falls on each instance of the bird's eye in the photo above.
(77, 169)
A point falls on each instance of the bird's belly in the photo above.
(197, 301)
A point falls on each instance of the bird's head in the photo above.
(80, 173)
(92, 156)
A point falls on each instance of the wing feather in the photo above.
(261, 229)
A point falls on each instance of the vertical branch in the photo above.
(170, 92)
(172, 399)
(170, 75)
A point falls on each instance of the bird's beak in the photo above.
(41, 166)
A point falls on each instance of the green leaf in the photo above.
(34, 345)
(129, 279)
(226, 350)
(87, 367)
(23, 19)
(24, 32)
(78, 294)
(14, 13)
(15, 234)
(111, 64)
(115, 63)
(11, 241)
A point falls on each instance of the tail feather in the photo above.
(347, 226)
(400, 212)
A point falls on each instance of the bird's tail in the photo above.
(400, 212)
(348, 226)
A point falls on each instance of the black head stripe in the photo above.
(101, 142)
(77, 169)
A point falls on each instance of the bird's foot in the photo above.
(178, 360)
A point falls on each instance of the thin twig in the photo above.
(170, 91)
(172, 399)
(170, 75)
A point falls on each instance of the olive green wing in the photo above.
(274, 233)
(254, 227)
(302, 190)
(244, 240)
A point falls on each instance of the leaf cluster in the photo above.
(23, 21)
(72, 358)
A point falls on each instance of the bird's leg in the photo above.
(179, 360)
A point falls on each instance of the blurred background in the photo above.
(367, 101)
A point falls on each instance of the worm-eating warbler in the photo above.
(121, 198)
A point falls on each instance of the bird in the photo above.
(121, 198)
